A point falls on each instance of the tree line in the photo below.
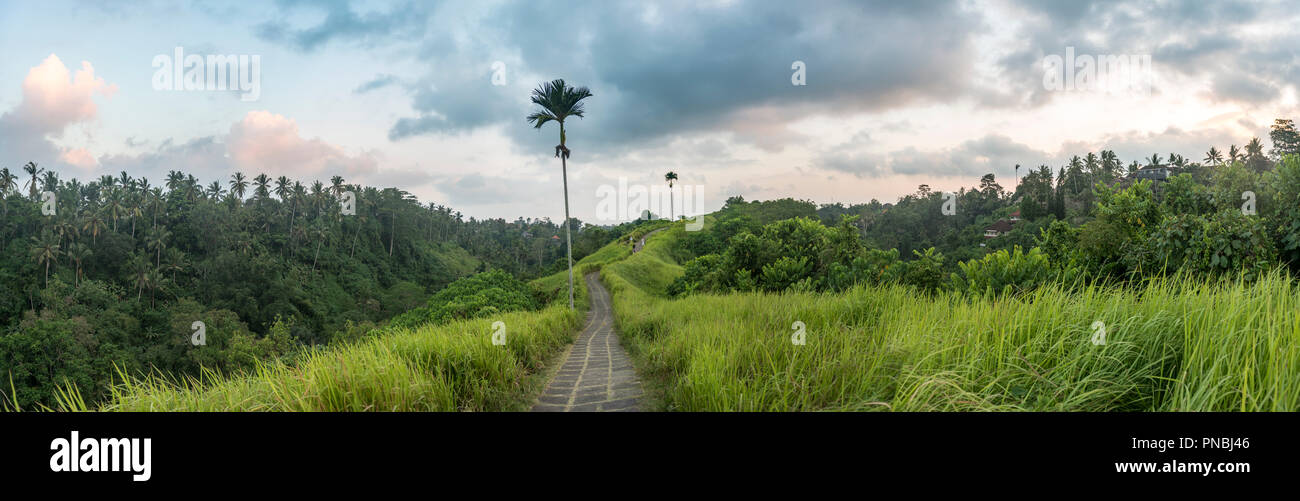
(117, 275)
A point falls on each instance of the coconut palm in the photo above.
(45, 250)
(214, 190)
(79, 252)
(156, 240)
(8, 181)
(1234, 154)
(261, 191)
(94, 223)
(32, 170)
(670, 177)
(238, 185)
(1213, 157)
(559, 101)
(282, 188)
(336, 186)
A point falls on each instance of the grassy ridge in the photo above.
(447, 367)
(1172, 345)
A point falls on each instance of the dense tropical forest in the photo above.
(113, 280)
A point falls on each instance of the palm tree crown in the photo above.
(559, 101)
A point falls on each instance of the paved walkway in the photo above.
(597, 374)
(637, 248)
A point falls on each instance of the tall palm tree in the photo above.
(214, 190)
(32, 170)
(261, 182)
(282, 188)
(44, 251)
(320, 233)
(670, 177)
(559, 101)
(1234, 154)
(1213, 157)
(336, 186)
(94, 223)
(79, 252)
(8, 181)
(238, 185)
(156, 240)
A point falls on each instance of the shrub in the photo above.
(785, 272)
(1004, 272)
(476, 296)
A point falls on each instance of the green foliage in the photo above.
(1173, 344)
(1285, 210)
(477, 296)
(1005, 273)
(125, 269)
(926, 271)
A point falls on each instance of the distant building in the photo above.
(1155, 173)
(998, 229)
(1015, 216)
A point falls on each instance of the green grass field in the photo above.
(1173, 345)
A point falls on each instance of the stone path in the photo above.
(637, 248)
(597, 374)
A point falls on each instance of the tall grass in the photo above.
(449, 367)
(1171, 345)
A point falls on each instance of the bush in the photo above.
(477, 296)
(926, 271)
(1004, 272)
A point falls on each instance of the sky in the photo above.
(822, 100)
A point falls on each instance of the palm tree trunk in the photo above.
(568, 236)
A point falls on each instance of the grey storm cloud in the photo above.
(670, 68)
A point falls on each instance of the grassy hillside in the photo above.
(446, 367)
(1171, 345)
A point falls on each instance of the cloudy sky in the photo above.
(430, 96)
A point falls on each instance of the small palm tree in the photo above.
(1234, 154)
(670, 177)
(559, 101)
